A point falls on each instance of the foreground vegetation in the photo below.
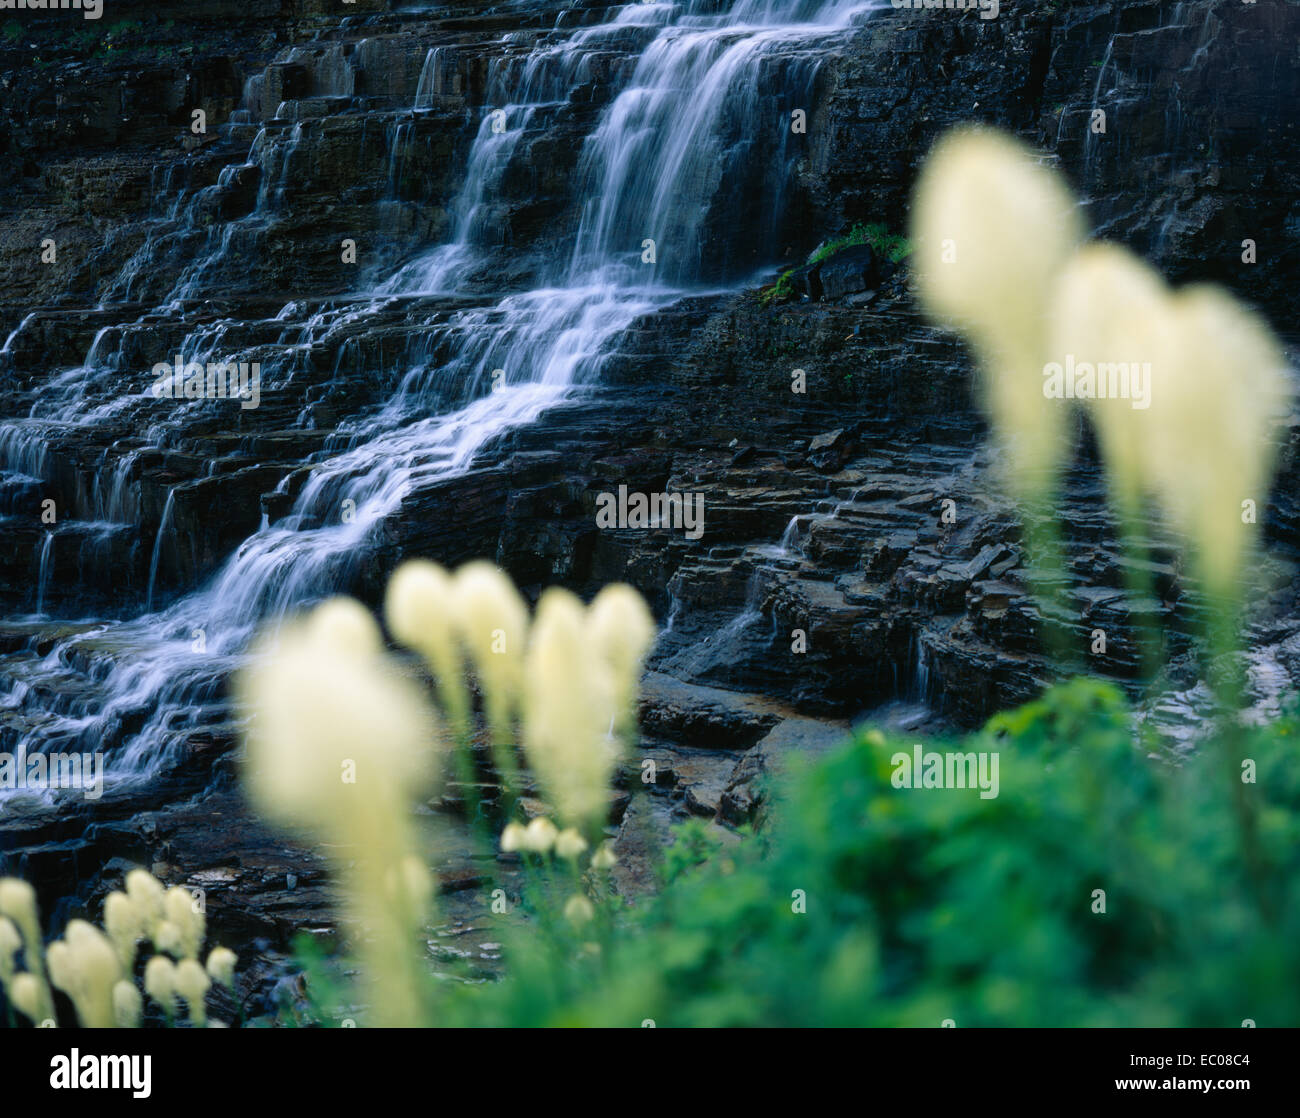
(1101, 887)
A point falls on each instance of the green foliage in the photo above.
(694, 843)
(923, 905)
(780, 292)
(783, 349)
(323, 1000)
(892, 246)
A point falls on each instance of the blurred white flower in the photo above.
(1110, 308)
(344, 626)
(539, 836)
(192, 985)
(127, 1005)
(992, 229)
(146, 893)
(1210, 449)
(492, 620)
(623, 632)
(570, 708)
(569, 843)
(167, 937)
(58, 960)
(160, 982)
(221, 966)
(1203, 445)
(18, 902)
(181, 911)
(420, 611)
(10, 942)
(31, 997)
(338, 743)
(124, 927)
(85, 966)
(578, 910)
(513, 837)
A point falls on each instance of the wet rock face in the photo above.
(1184, 165)
(848, 272)
(858, 547)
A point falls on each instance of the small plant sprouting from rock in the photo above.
(890, 246)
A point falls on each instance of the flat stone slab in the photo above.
(705, 717)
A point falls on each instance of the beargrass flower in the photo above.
(1200, 441)
(123, 924)
(604, 858)
(346, 627)
(127, 1005)
(167, 937)
(221, 966)
(1210, 453)
(569, 709)
(578, 910)
(31, 997)
(160, 982)
(146, 893)
(993, 229)
(420, 612)
(192, 985)
(623, 632)
(18, 902)
(339, 742)
(1112, 311)
(10, 942)
(85, 966)
(492, 621)
(539, 836)
(58, 963)
(569, 843)
(190, 923)
(513, 837)
(340, 745)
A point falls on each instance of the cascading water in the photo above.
(677, 146)
(164, 526)
(43, 575)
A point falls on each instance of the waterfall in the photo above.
(673, 158)
(790, 539)
(43, 570)
(164, 526)
(498, 134)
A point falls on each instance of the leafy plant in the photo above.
(1099, 888)
(891, 246)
